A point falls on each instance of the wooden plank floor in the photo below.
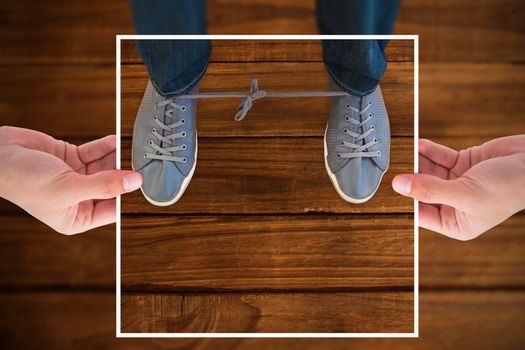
(358, 262)
(58, 292)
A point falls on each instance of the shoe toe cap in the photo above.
(162, 181)
(359, 179)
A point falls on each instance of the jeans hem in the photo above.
(185, 89)
(345, 87)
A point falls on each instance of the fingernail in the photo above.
(402, 184)
(132, 181)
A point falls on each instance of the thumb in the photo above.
(428, 189)
(105, 184)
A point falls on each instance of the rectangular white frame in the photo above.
(415, 334)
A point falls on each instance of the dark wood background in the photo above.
(261, 219)
(57, 67)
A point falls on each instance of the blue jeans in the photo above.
(175, 66)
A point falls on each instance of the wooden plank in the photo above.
(273, 51)
(455, 100)
(62, 100)
(258, 253)
(471, 100)
(307, 116)
(494, 260)
(271, 175)
(67, 32)
(261, 16)
(450, 320)
(273, 312)
(450, 31)
(465, 31)
(33, 255)
(453, 31)
(272, 253)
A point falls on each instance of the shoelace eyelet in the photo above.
(153, 130)
(183, 108)
(372, 127)
(156, 106)
(342, 143)
(348, 106)
(183, 121)
(369, 102)
(379, 153)
(183, 147)
(183, 134)
(184, 160)
(370, 115)
(151, 143)
(145, 155)
(155, 117)
(347, 118)
(338, 156)
(376, 140)
(345, 130)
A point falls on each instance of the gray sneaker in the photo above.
(165, 146)
(357, 144)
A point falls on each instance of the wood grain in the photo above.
(471, 100)
(271, 175)
(455, 100)
(478, 100)
(64, 101)
(258, 253)
(273, 116)
(465, 31)
(448, 320)
(33, 255)
(69, 32)
(263, 312)
(450, 31)
(493, 261)
(273, 51)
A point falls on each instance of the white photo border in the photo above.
(414, 334)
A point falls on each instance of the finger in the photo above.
(426, 166)
(441, 220)
(97, 149)
(108, 162)
(428, 188)
(104, 213)
(104, 185)
(437, 153)
(429, 217)
(91, 215)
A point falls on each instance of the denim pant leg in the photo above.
(174, 66)
(357, 66)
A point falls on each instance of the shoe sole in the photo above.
(185, 182)
(336, 185)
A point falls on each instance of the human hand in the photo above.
(463, 194)
(70, 188)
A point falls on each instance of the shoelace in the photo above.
(358, 149)
(168, 153)
(245, 105)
